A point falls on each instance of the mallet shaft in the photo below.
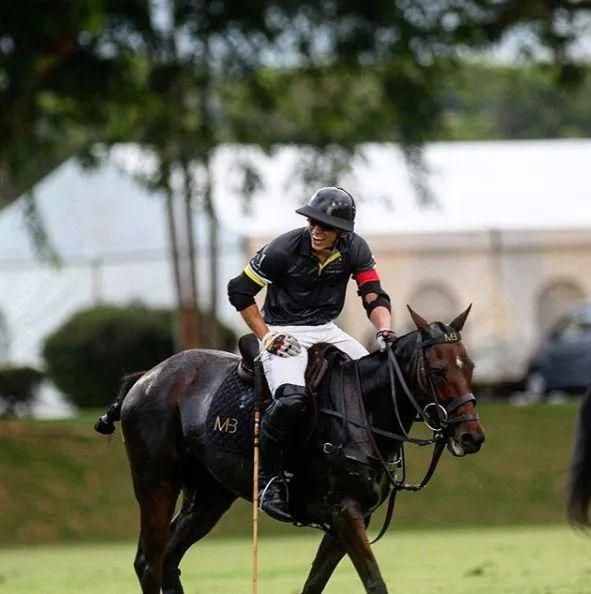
(255, 502)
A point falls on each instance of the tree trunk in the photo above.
(174, 259)
(186, 325)
(192, 299)
(215, 337)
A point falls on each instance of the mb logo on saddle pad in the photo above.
(230, 419)
(226, 424)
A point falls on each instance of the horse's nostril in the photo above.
(471, 441)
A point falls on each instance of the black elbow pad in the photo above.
(381, 300)
(241, 291)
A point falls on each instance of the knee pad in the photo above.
(287, 408)
(292, 398)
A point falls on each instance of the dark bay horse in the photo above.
(579, 487)
(174, 427)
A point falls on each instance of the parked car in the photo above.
(562, 362)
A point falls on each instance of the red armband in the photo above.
(367, 276)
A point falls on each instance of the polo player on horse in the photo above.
(306, 272)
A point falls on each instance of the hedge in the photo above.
(88, 355)
(17, 387)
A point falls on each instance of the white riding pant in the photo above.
(291, 370)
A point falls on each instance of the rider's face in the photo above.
(323, 236)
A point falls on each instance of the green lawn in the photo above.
(61, 482)
(524, 560)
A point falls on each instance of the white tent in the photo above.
(111, 236)
(477, 186)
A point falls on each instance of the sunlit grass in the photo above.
(476, 561)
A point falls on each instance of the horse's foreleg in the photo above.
(329, 553)
(349, 526)
(198, 515)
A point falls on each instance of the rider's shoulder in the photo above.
(288, 242)
(356, 242)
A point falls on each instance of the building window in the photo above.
(435, 302)
(555, 300)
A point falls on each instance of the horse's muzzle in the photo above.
(465, 443)
(472, 442)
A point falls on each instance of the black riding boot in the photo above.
(277, 430)
(273, 489)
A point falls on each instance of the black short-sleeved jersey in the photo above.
(300, 290)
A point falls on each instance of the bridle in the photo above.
(437, 416)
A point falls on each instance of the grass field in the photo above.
(61, 482)
(550, 560)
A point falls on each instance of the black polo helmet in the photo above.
(332, 206)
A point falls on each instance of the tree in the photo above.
(259, 72)
(59, 78)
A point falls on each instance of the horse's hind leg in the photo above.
(151, 443)
(202, 507)
(156, 509)
(329, 553)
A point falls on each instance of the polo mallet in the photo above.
(255, 500)
(255, 478)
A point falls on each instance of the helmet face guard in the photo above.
(332, 206)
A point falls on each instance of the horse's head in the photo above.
(444, 372)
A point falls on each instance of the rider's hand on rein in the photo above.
(281, 344)
(385, 337)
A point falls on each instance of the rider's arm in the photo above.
(259, 272)
(380, 316)
(375, 300)
(241, 292)
(254, 320)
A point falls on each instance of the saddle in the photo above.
(230, 418)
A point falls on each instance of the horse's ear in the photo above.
(420, 322)
(459, 322)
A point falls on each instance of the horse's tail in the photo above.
(106, 423)
(579, 487)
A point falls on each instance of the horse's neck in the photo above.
(377, 394)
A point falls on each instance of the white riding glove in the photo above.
(384, 338)
(281, 344)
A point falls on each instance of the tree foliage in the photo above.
(484, 102)
(133, 69)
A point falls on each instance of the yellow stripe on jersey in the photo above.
(334, 256)
(257, 278)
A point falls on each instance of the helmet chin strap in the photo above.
(336, 239)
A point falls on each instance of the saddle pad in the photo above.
(230, 418)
